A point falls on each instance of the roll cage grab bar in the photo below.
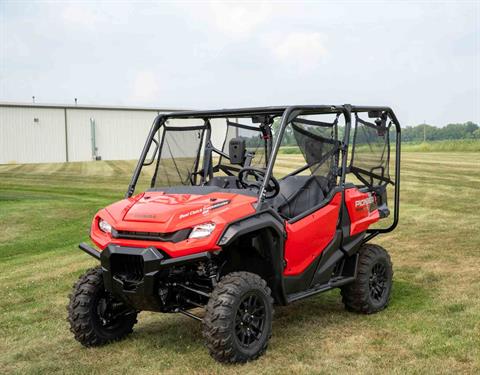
(287, 115)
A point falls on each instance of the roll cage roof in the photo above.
(287, 114)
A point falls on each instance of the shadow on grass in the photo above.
(182, 335)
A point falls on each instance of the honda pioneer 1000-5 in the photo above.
(239, 210)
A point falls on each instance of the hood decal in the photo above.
(204, 210)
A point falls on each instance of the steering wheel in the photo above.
(272, 188)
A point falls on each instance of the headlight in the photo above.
(104, 226)
(202, 230)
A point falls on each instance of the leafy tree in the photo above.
(418, 133)
(432, 133)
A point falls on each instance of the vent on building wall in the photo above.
(93, 137)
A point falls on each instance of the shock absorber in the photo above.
(211, 270)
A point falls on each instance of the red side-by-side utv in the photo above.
(243, 209)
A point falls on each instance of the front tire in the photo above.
(371, 290)
(238, 320)
(95, 316)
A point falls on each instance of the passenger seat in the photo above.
(298, 194)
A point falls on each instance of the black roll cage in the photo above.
(287, 114)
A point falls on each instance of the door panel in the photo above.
(308, 237)
(362, 210)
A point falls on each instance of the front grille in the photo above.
(177, 236)
(128, 268)
(152, 236)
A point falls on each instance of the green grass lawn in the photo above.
(451, 145)
(431, 326)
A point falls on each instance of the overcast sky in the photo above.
(421, 58)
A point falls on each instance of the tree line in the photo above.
(425, 132)
(418, 133)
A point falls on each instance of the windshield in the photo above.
(181, 143)
(254, 144)
(194, 152)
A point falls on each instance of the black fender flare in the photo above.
(267, 219)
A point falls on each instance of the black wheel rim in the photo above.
(378, 282)
(250, 320)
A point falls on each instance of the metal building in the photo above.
(51, 133)
(47, 133)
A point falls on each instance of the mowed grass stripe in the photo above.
(431, 325)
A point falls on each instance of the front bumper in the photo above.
(134, 274)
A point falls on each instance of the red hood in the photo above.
(161, 207)
(170, 212)
(167, 213)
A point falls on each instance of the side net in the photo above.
(319, 146)
(371, 152)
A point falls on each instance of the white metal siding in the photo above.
(120, 134)
(22, 140)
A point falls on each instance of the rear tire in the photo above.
(371, 290)
(95, 316)
(238, 320)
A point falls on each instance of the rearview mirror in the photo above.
(381, 125)
(237, 150)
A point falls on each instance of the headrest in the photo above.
(236, 151)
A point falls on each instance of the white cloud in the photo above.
(301, 49)
(80, 15)
(145, 88)
(205, 52)
(189, 53)
(239, 20)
